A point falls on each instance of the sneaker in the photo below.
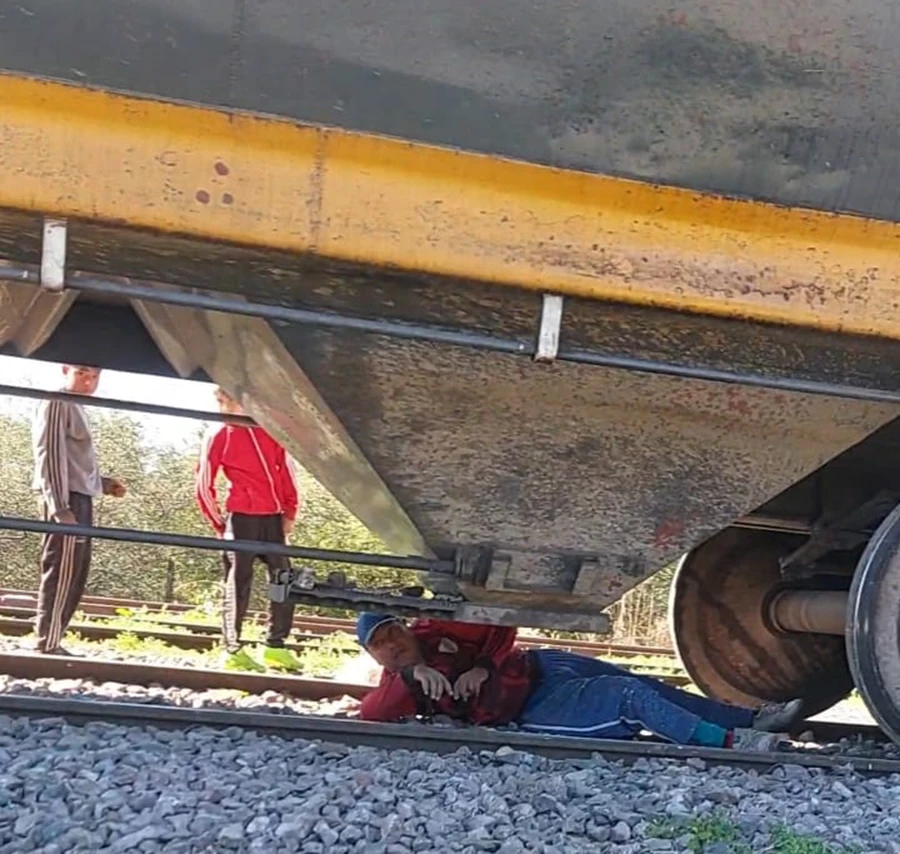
(279, 658)
(241, 660)
(61, 651)
(754, 739)
(778, 717)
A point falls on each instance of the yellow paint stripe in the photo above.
(266, 182)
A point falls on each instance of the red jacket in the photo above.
(260, 478)
(453, 648)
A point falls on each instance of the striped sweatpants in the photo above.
(65, 562)
(239, 579)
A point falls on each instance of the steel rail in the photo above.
(123, 405)
(207, 637)
(110, 606)
(431, 738)
(101, 606)
(28, 665)
(162, 292)
(131, 535)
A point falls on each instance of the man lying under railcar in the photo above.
(477, 674)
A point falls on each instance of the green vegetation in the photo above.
(161, 498)
(787, 841)
(701, 832)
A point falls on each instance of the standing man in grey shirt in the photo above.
(68, 479)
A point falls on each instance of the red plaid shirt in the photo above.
(452, 649)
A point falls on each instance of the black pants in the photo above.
(239, 579)
(65, 563)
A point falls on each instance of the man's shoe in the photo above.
(57, 650)
(754, 739)
(279, 658)
(778, 717)
(241, 660)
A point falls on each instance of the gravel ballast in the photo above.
(277, 703)
(111, 788)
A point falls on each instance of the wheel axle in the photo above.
(819, 611)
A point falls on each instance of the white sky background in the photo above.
(160, 430)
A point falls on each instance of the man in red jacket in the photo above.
(261, 505)
(476, 674)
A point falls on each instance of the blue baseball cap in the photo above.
(368, 622)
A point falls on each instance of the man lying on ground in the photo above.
(476, 674)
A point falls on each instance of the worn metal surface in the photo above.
(873, 627)
(718, 621)
(626, 468)
(370, 200)
(795, 102)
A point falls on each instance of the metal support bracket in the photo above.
(53, 255)
(843, 534)
(548, 334)
(473, 564)
(409, 602)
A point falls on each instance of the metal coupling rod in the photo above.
(130, 535)
(124, 405)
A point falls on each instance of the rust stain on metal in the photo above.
(221, 168)
(668, 533)
(202, 196)
(227, 198)
(737, 401)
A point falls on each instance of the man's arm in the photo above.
(207, 468)
(51, 464)
(287, 485)
(494, 642)
(392, 700)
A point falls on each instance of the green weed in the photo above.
(787, 841)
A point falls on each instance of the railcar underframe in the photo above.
(536, 384)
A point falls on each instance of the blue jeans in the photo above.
(581, 696)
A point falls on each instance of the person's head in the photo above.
(387, 640)
(81, 379)
(227, 404)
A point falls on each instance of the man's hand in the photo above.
(469, 683)
(287, 526)
(114, 487)
(65, 517)
(433, 683)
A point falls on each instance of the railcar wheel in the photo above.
(731, 650)
(873, 626)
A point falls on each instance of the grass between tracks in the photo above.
(702, 832)
(329, 656)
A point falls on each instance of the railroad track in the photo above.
(17, 607)
(26, 665)
(433, 738)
